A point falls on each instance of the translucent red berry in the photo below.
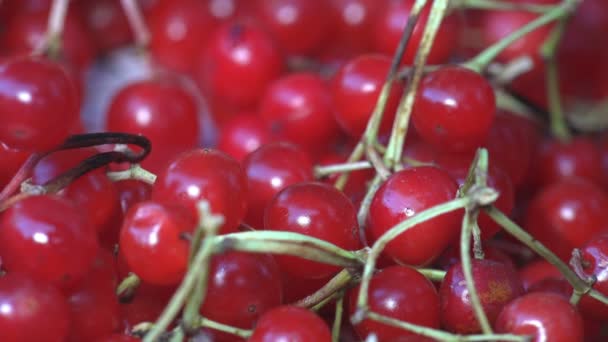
(290, 323)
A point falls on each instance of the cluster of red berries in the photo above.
(291, 86)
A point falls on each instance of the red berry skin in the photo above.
(317, 210)
(496, 283)
(594, 256)
(308, 20)
(451, 256)
(31, 310)
(546, 316)
(537, 271)
(117, 338)
(297, 109)
(290, 323)
(270, 169)
(237, 54)
(107, 23)
(48, 238)
(241, 288)
(454, 109)
(12, 160)
(391, 22)
(205, 174)
(242, 134)
(399, 292)
(355, 89)
(178, 29)
(154, 232)
(579, 157)
(566, 215)
(403, 195)
(35, 94)
(353, 22)
(163, 110)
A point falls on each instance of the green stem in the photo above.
(207, 323)
(355, 155)
(335, 330)
(126, 288)
(366, 202)
(498, 5)
(395, 144)
(52, 42)
(392, 233)
(432, 275)
(337, 283)
(481, 61)
(326, 170)
(136, 172)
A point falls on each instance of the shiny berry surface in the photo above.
(594, 256)
(454, 109)
(242, 135)
(288, 323)
(317, 210)
(402, 196)
(35, 94)
(402, 293)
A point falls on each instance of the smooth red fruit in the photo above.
(162, 110)
(48, 238)
(566, 215)
(131, 192)
(355, 89)
(270, 169)
(353, 22)
(238, 54)
(557, 160)
(451, 256)
(356, 186)
(178, 29)
(537, 271)
(454, 109)
(299, 26)
(31, 311)
(147, 305)
(241, 288)
(117, 338)
(603, 149)
(594, 256)
(391, 22)
(205, 174)
(107, 23)
(545, 316)
(403, 195)
(242, 134)
(290, 323)
(35, 94)
(317, 210)
(402, 293)
(297, 108)
(496, 284)
(153, 240)
(12, 160)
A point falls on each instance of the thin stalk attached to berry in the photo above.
(337, 325)
(432, 275)
(207, 323)
(338, 282)
(326, 170)
(135, 171)
(137, 23)
(51, 44)
(498, 5)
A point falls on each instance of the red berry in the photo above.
(31, 311)
(298, 109)
(403, 195)
(107, 23)
(117, 338)
(594, 256)
(451, 256)
(156, 233)
(270, 169)
(48, 238)
(402, 293)
(241, 288)
(241, 135)
(35, 94)
(238, 54)
(318, 210)
(496, 283)
(12, 160)
(205, 174)
(545, 316)
(353, 22)
(454, 109)
(355, 89)
(289, 323)
(537, 271)
(566, 215)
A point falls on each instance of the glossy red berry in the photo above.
(156, 233)
(454, 109)
(537, 271)
(297, 108)
(355, 89)
(496, 284)
(317, 210)
(241, 288)
(35, 94)
(299, 26)
(48, 238)
(31, 310)
(594, 256)
(205, 174)
(12, 159)
(238, 54)
(131, 192)
(451, 256)
(107, 23)
(242, 135)
(545, 316)
(163, 110)
(403, 195)
(178, 29)
(566, 215)
(270, 169)
(391, 22)
(353, 22)
(290, 323)
(399, 292)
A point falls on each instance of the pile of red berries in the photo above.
(305, 170)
